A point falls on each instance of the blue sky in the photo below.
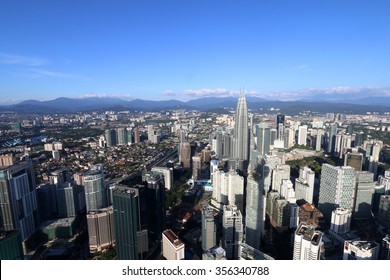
(184, 49)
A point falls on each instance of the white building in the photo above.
(304, 185)
(233, 231)
(302, 135)
(307, 243)
(172, 246)
(280, 173)
(167, 173)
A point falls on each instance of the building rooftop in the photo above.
(364, 245)
(172, 237)
(309, 233)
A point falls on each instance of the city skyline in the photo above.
(186, 50)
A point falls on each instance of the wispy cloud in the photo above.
(302, 66)
(6, 58)
(125, 96)
(47, 73)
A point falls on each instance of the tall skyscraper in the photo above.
(95, 189)
(18, 200)
(121, 136)
(263, 138)
(255, 214)
(185, 154)
(319, 139)
(131, 238)
(232, 231)
(280, 173)
(110, 136)
(67, 199)
(337, 189)
(241, 131)
(354, 160)
(209, 229)
(365, 188)
(307, 243)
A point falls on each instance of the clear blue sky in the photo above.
(187, 48)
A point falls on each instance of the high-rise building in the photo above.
(110, 136)
(196, 167)
(137, 136)
(255, 212)
(383, 215)
(241, 131)
(6, 160)
(121, 136)
(95, 188)
(341, 220)
(304, 185)
(354, 160)
(302, 135)
(67, 200)
(236, 190)
(263, 138)
(172, 247)
(361, 250)
(280, 173)
(131, 238)
(167, 173)
(209, 229)
(232, 231)
(150, 128)
(307, 243)
(290, 137)
(101, 231)
(18, 200)
(319, 139)
(337, 189)
(280, 126)
(365, 188)
(332, 138)
(185, 154)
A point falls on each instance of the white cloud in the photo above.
(21, 60)
(169, 92)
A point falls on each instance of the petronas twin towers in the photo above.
(241, 131)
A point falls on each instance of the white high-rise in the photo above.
(302, 135)
(307, 243)
(280, 173)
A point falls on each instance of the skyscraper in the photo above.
(302, 135)
(95, 189)
(232, 231)
(307, 243)
(209, 229)
(337, 189)
(101, 231)
(241, 131)
(185, 154)
(304, 185)
(365, 188)
(332, 138)
(131, 238)
(18, 200)
(255, 215)
(263, 138)
(173, 248)
(280, 126)
(341, 220)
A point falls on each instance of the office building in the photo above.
(337, 189)
(18, 200)
(121, 136)
(255, 212)
(236, 190)
(280, 127)
(354, 160)
(67, 199)
(131, 236)
(332, 138)
(361, 250)
(172, 247)
(167, 173)
(101, 229)
(185, 154)
(341, 220)
(110, 136)
(307, 243)
(196, 167)
(137, 135)
(241, 131)
(365, 188)
(280, 173)
(302, 135)
(304, 185)
(95, 188)
(233, 231)
(209, 229)
(263, 138)
(383, 215)
(319, 139)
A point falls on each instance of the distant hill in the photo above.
(210, 104)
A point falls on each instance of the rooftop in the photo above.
(172, 237)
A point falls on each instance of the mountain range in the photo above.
(69, 105)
